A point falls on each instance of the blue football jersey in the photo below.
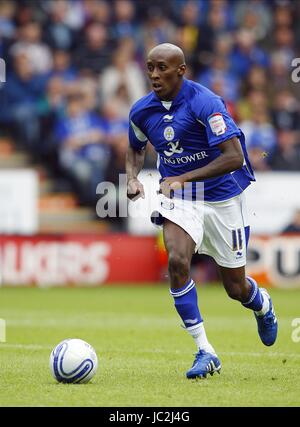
(186, 133)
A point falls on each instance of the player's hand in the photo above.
(135, 189)
(170, 184)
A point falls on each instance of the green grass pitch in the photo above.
(143, 352)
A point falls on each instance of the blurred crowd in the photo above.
(75, 67)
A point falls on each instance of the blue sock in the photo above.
(186, 304)
(255, 301)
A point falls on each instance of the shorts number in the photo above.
(237, 240)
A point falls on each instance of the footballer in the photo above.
(204, 168)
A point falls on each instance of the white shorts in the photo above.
(219, 229)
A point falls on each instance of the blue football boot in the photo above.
(204, 363)
(267, 324)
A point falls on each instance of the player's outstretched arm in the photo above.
(134, 164)
(231, 159)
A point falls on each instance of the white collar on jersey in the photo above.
(167, 104)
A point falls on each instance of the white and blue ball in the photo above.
(73, 361)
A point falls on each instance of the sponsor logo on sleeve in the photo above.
(217, 124)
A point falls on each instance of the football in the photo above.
(73, 361)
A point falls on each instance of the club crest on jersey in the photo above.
(169, 133)
(217, 124)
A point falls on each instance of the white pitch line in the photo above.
(224, 353)
(26, 346)
(237, 353)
